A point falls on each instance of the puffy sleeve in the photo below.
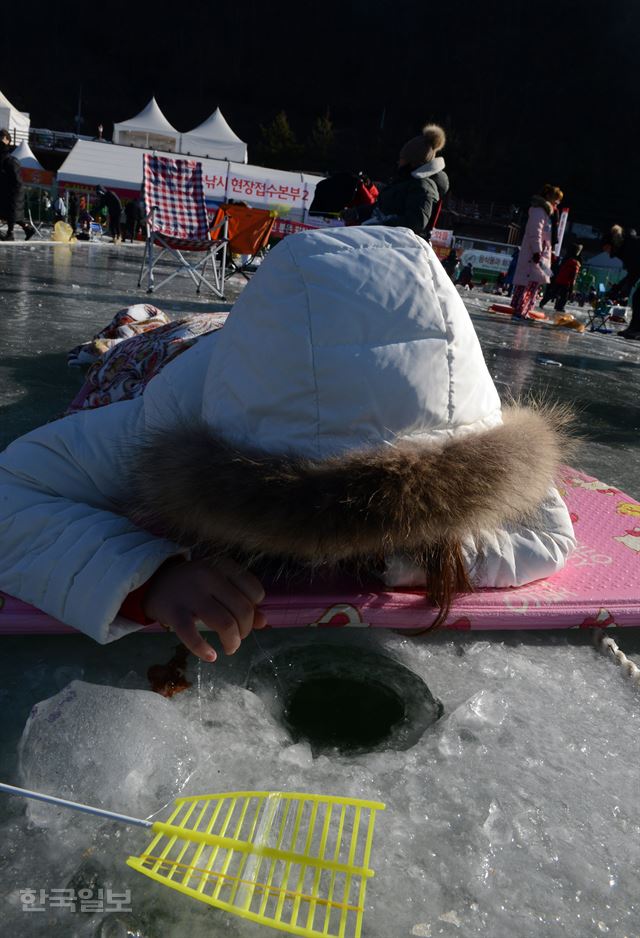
(519, 553)
(417, 209)
(510, 556)
(535, 230)
(66, 548)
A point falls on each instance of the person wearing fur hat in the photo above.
(414, 197)
(626, 246)
(536, 251)
(342, 418)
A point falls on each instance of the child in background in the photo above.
(562, 284)
(342, 417)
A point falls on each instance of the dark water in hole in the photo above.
(342, 713)
(346, 698)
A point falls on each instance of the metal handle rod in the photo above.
(74, 805)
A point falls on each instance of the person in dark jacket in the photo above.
(414, 197)
(73, 211)
(466, 276)
(626, 246)
(113, 205)
(133, 216)
(451, 262)
(511, 272)
(11, 192)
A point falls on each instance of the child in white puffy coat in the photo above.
(343, 415)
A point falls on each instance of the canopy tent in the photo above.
(214, 139)
(24, 156)
(91, 164)
(604, 260)
(32, 172)
(16, 122)
(149, 129)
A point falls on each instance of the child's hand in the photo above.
(223, 597)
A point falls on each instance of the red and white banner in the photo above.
(562, 227)
(441, 238)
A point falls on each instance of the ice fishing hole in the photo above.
(345, 698)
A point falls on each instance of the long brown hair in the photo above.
(446, 577)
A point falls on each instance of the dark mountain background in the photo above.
(529, 92)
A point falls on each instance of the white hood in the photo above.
(436, 165)
(347, 338)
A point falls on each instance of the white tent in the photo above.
(16, 122)
(90, 164)
(604, 260)
(150, 129)
(214, 139)
(120, 168)
(25, 157)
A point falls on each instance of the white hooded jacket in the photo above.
(349, 353)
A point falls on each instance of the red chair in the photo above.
(177, 223)
(248, 230)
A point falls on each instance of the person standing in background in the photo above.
(11, 191)
(73, 211)
(536, 251)
(59, 209)
(133, 219)
(113, 205)
(450, 263)
(561, 286)
(626, 246)
(511, 271)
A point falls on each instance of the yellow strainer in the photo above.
(295, 862)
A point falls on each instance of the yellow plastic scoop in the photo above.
(295, 862)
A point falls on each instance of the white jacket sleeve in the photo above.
(64, 547)
(511, 556)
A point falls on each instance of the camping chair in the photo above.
(36, 225)
(249, 230)
(599, 314)
(176, 222)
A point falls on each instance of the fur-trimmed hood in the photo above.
(346, 412)
(197, 489)
(537, 201)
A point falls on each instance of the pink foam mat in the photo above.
(600, 586)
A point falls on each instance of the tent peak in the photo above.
(151, 118)
(215, 127)
(25, 156)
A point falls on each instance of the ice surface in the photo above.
(515, 814)
(42, 316)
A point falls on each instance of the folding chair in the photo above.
(36, 225)
(176, 222)
(249, 230)
(599, 314)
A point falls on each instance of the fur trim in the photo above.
(197, 489)
(537, 201)
(617, 235)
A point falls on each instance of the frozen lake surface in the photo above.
(516, 814)
(53, 297)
